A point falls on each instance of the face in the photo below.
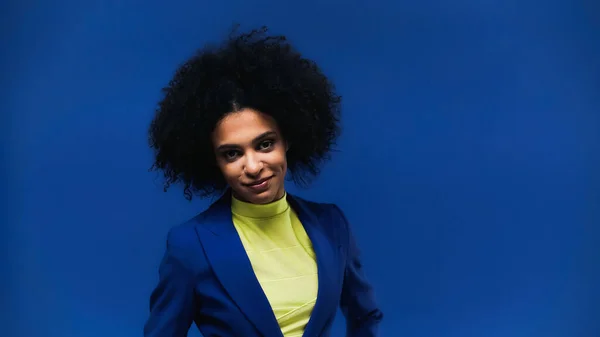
(251, 155)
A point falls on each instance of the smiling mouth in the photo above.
(258, 182)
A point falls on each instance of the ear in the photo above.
(287, 147)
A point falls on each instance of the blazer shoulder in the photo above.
(326, 210)
(184, 233)
(183, 245)
(315, 206)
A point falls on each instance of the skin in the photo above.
(249, 148)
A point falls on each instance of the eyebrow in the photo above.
(255, 140)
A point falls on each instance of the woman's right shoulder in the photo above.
(184, 245)
(185, 233)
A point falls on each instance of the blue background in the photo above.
(469, 163)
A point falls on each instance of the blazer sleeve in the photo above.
(357, 301)
(172, 300)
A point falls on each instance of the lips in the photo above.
(258, 182)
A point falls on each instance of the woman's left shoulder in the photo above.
(327, 211)
(312, 205)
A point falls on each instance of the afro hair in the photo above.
(248, 70)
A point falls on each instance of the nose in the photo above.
(253, 165)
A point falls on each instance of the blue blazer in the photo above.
(206, 277)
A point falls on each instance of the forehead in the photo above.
(242, 127)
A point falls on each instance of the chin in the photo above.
(261, 198)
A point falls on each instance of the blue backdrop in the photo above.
(468, 165)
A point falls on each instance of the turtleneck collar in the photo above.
(250, 210)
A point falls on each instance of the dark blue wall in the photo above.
(468, 165)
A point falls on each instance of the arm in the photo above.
(358, 299)
(172, 301)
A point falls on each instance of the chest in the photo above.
(284, 263)
(273, 284)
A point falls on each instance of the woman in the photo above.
(258, 262)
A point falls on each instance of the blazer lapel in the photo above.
(232, 267)
(326, 253)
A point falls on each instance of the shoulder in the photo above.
(183, 245)
(319, 206)
(324, 211)
(183, 237)
(313, 206)
(183, 232)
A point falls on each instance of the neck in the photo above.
(266, 210)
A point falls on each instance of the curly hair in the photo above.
(249, 70)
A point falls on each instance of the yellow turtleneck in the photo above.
(283, 260)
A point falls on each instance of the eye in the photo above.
(265, 144)
(231, 154)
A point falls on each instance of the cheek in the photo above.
(229, 171)
(280, 160)
(284, 162)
